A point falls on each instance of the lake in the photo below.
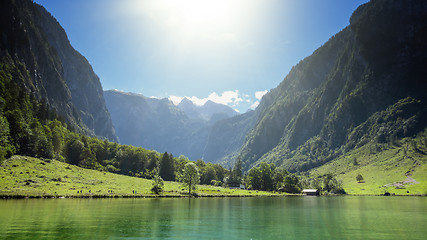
(343, 217)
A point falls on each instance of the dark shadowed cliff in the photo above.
(36, 53)
(366, 84)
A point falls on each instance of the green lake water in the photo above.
(216, 218)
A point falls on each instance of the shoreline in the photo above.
(9, 197)
(139, 196)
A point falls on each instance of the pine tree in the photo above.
(167, 167)
(237, 172)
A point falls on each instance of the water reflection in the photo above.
(215, 218)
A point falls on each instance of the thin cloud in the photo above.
(175, 99)
(254, 105)
(230, 98)
(259, 94)
(227, 98)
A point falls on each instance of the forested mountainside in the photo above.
(198, 132)
(365, 85)
(36, 54)
(51, 104)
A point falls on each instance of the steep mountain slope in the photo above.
(148, 122)
(37, 55)
(160, 125)
(226, 137)
(152, 123)
(366, 84)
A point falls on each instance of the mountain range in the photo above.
(158, 124)
(210, 111)
(366, 85)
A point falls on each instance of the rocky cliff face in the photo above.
(353, 90)
(34, 45)
(151, 123)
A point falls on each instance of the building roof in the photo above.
(309, 190)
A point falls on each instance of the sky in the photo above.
(227, 51)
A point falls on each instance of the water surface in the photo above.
(216, 218)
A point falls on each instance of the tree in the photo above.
(332, 185)
(316, 184)
(359, 178)
(336, 186)
(207, 174)
(74, 149)
(279, 175)
(254, 178)
(57, 136)
(327, 182)
(158, 183)
(190, 176)
(220, 172)
(167, 167)
(6, 150)
(292, 184)
(41, 143)
(267, 175)
(179, 164)
(237, 171)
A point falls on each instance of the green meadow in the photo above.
(32, 177)
(399, 169)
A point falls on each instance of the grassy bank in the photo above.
(32, 177)
(400, 169)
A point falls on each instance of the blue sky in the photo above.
(228, 51)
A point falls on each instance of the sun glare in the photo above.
(192, 40)
(190, 15)
(197, 12)
(196, 15)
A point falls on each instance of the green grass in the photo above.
(32, 177)
(384, 169)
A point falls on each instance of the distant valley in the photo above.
(357, 105)
(361, 87)
(158, 124)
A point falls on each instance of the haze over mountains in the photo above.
(365, 85)
(158, 124)
(210, 111)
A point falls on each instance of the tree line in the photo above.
(268, 177)
(29, 127)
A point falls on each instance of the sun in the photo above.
(201, 12)
(195, 15)
(191, 18)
